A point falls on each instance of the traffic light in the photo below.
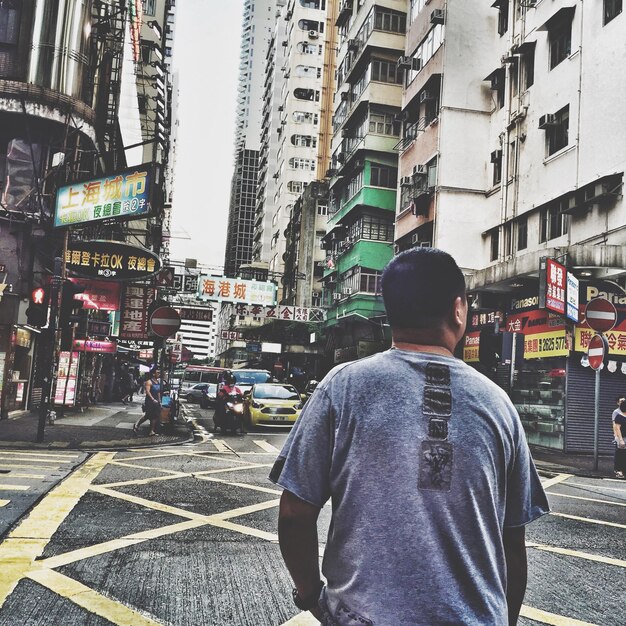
(68, 313)
(37, 311)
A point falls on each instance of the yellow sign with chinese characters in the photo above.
(615, 338)
(544, 345)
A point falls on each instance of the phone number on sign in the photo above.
(545, 344)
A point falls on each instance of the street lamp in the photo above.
(156, 29)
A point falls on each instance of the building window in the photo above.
(304, 141)
(560, 42)
(375, 228)
(495, 245)
(306, 94)
(553, 222)
(306, 70)
(383, 176)
(496, 159)
(302, 117)
(384, 124)
(386, 72)
(528, 68)
(522, 233)
(389, 21)
(425, 51)
(322, 209)
(149, 7)
(612, 8)
(557, 134)
(503, 16)
(370, 281)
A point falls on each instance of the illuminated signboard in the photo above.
(110, 260)
(122, 196)
(135, 10)
(555, 286)
(236, 290)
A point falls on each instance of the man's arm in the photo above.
(516, 570)
(297, 535)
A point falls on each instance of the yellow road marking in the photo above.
(244, 510)
(559, 478)
(565, 495)
(551, 618)
(243, 485)
(576, 553)
(266, 445)
(89, 599)
(56, 463)
(602, 488)
(4, 502)
(22, 466)
(220, 445)
(69, 457)
(116, 544)
(149, 504)
(26, 542)
(26, 475)
(14, 487)
(144, 467)
(589, 520)
(303, 619)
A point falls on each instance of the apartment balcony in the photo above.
(380, 41)
(367, 196)
(353, 146)
(386, 94)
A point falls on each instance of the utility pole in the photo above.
(49, 336)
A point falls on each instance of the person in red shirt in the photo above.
(226, 390)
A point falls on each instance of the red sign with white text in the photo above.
(533, 322)
(98, 295)
(555, 287)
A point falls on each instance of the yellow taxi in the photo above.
(272, 404)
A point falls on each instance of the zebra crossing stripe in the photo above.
(220, 445)
(265, 445)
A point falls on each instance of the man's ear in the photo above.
(460, 314)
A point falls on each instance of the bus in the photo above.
(194, 374)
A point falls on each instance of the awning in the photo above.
(562, 15)
(527, 47)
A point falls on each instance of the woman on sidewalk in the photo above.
(153, 403)
(619, 430)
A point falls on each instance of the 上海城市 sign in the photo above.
(110, 260)
(121, 196)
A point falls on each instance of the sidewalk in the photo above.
(550, 461)
(99, 427)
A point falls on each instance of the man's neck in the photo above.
(421, 347)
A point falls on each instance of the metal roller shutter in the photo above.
(579, 416)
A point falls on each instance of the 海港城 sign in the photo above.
(121, 196)
(236, 290)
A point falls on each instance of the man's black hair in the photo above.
(622, 406)
(420, 286)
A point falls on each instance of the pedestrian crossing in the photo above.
(22, 472)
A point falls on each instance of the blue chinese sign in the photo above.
(121, 196)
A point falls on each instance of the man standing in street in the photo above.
(427, 468)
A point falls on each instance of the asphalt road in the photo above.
(187, 535)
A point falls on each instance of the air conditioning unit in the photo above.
(346, 132)
(345, 96)
(353, 44)
(281, 108)
(572, 203)
(437, 16)
(396, 248)
(341, 157)
(313, 34)
(404, 63)
(496, 156)
(497, 80)
(547, 120)
(416, 64)
(347, 291)
(425, 96)
(336, 297)
(425, 244)
(415, 238)
(596, 192)
(358, 164)
(316, 294)
(331, 172)
(419, 169)
(406, 181)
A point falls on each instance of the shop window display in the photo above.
(539, 395)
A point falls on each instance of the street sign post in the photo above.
(600, 315)
(597, 350)
(164, 321)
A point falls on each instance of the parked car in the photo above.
(195, 393)
(272, 404)
(208, 395)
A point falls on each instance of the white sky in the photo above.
(206, 56)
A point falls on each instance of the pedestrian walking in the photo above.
(153, 387)
(426, 465)
(619, 430)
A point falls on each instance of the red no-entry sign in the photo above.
(164, 321)
(600, 315)
(596, 351)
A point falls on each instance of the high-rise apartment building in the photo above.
(507, 159)
(258, 27)
(364, 170)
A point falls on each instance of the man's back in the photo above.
(418, 452)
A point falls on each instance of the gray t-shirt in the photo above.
(425, 462)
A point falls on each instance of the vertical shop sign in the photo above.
(134, 316)
(66, 379)
(554, 296)
(573, 297)
(471, 347)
